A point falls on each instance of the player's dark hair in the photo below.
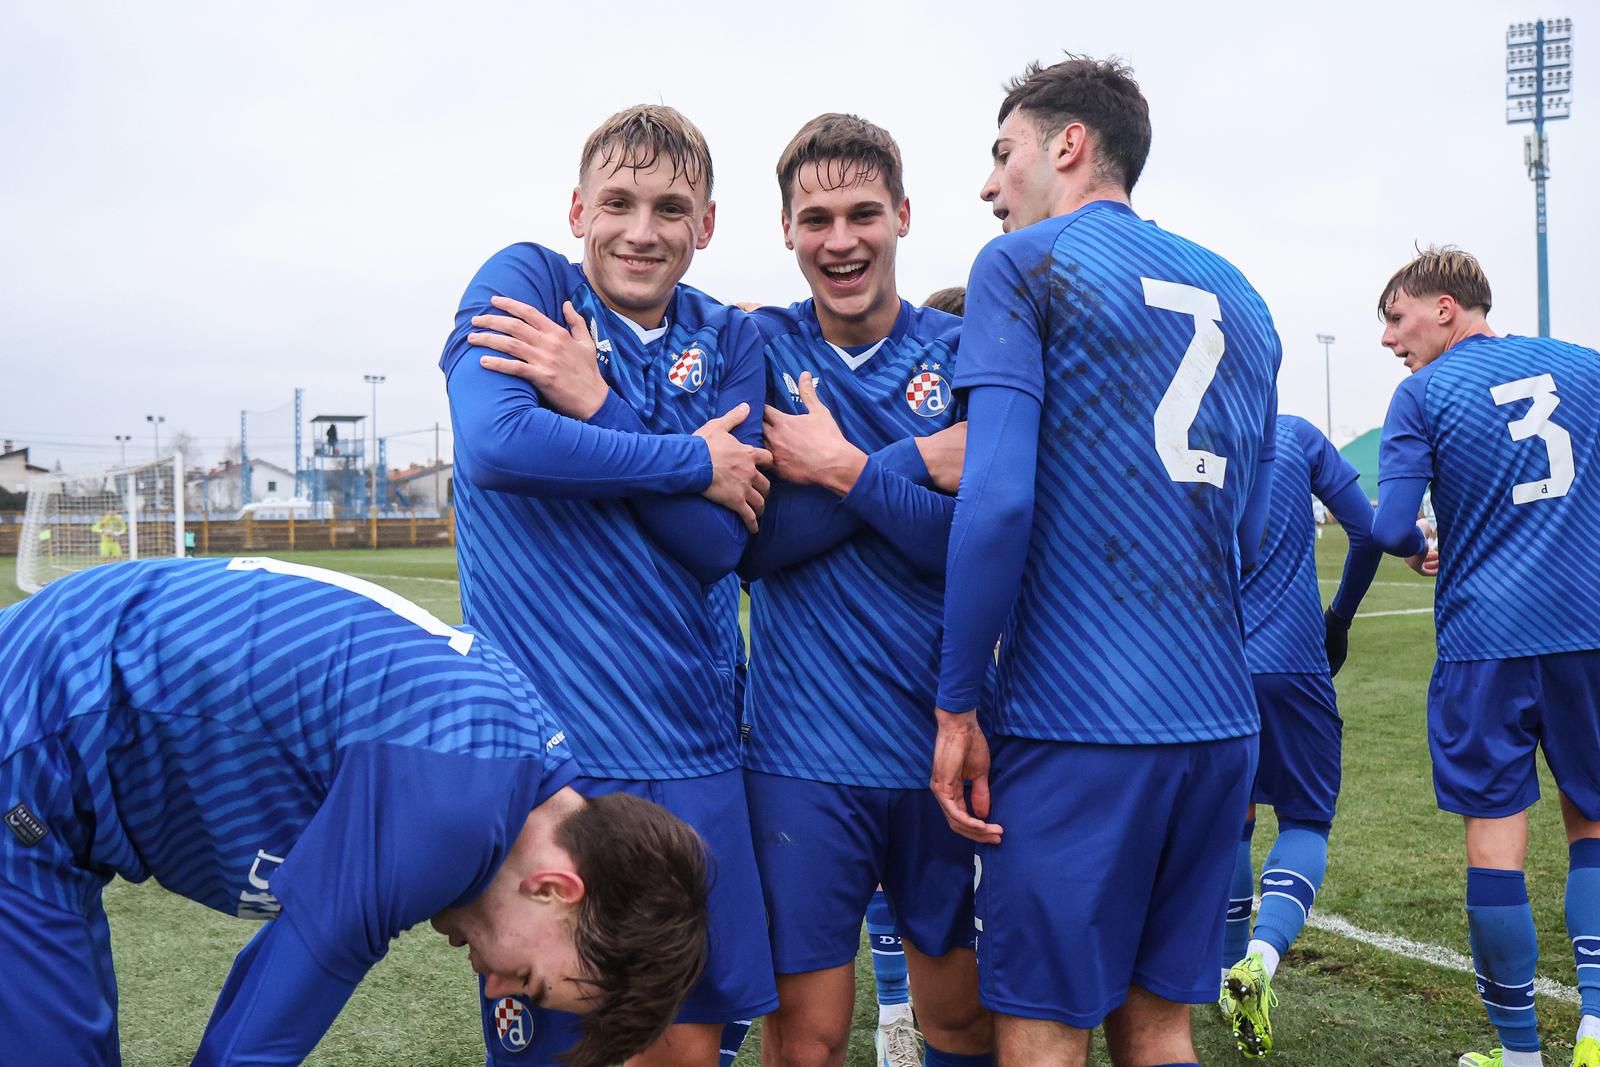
(846, 150)
(637, 139)
(1101, 94)
(642, 932)
(952, 300)
(1440, 271)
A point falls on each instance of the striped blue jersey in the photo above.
(1283, 627)
(208, 722)
(845, 645)
(1508, 431)
(1153, 361)
(634, 649)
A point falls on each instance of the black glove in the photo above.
(1335, 639)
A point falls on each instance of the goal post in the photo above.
(83, 518)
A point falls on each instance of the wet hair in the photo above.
(641, 929)
(1101, 94)
(1440, 271)
(847, 150)
(640, 137)
(953, 300)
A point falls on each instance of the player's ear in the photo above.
(1445, 309)
(553, 885)
(788, 231)
(708, 222)
(905, 215)
(575, 212)
(1070, 146)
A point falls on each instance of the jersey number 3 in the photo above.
(1541, 389)
(1179, 405)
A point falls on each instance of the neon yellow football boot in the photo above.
(1586, 1053)
(1492, 1058)
(1250, 987)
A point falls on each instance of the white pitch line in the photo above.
(1437, 955)
(404, 578)
(1391, 585)
(1399, 611)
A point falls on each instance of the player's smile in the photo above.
(640, 229)
(844, 231)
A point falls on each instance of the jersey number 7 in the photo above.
(1179, 405)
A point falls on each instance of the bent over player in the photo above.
(1294, 648)
(1120, 410)
(284, 742)
(1507, 431)
(608, 479)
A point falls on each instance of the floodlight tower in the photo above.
(1326, 341)
(122, 440)
(155, 422)
(1539, 90)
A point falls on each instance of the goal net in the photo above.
(81, 519)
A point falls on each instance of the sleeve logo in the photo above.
(512, 1024)
(28, 827)
(689, 370)
(927, 393)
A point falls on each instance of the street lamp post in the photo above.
(155, 422)
(122, 440)
(1326, 341)
(374, 380)
(1539, 90)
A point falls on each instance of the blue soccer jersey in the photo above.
(845, 643)
(587, 561)
(270, 740)
(1151, 361)
(1283, 622)
(1507, 429)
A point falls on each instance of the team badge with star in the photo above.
(689, 369)
(927, 393)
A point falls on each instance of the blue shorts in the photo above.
(1112, 872)
(737, 983)
(1298, 772)
(1485, 717)
(823, 848)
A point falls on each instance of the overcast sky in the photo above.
(205, 206)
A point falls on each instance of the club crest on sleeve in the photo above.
(689, 370)
(927, 393)
(513, 1023)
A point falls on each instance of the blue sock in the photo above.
(1290, 880)
(1504, 951)
(1241, 897)
(733, 1035)
(1583, 919)
(888, 955)
(933, 1057)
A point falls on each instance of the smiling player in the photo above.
(608, 478)
(844, 617)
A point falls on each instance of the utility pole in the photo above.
(1326, 341)
(374, 380)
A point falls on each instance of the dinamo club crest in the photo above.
(689, 371)
(513, 1022)
(928, 394)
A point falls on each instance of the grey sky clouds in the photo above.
(205, 206)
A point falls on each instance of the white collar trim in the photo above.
(855, 362)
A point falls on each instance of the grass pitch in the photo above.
(1396, 867)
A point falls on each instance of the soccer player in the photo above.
(844, 618)
(1119, 383)
(606, 421)
(1294, 648)
(1505, 429)
(284, 742)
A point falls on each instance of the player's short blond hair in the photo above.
(1440, 271)
(641, 136)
